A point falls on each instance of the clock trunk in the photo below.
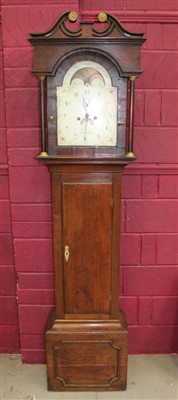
(86, 339)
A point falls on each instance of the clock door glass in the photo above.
(87, 107)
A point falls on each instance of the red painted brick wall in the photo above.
(9, 330)
(149, 273)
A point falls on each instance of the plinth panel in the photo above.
(82, 358)
(78, 362)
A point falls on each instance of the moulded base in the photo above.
(87, 355)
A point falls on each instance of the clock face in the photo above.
(86, 107)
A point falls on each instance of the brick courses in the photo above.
(9, 330)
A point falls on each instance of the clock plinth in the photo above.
(87, 77)
(87, 355)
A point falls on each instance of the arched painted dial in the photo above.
(87, 108)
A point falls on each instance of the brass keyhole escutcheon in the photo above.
(66, 253)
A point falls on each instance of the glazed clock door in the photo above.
(87, 235)
(86, 107)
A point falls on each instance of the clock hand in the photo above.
(86, 120)
(86, 105)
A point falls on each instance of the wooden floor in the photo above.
(150, 377)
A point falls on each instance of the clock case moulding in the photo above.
(86, 334)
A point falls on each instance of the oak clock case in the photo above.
(86, 141)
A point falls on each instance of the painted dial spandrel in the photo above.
(87, 107)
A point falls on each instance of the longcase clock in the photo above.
(87, 72)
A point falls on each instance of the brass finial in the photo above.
(130, 154)
(73, 16)
(102, 17)
(43, 154)
(132, 77)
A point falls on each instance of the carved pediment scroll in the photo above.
(63, 29)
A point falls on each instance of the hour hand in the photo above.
(86, 120)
